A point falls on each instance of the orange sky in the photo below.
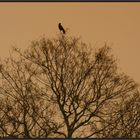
(115, 23)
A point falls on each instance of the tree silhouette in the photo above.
(125, 119)
(80, 83)
(24, 113)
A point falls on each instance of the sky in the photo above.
(116, 23)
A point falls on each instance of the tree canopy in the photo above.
(62, 88)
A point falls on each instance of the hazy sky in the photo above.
(115, 23)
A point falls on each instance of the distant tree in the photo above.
(80, 83)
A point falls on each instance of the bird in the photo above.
(61, 28)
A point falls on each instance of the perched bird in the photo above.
(61, 28)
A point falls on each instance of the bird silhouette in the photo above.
(61, 28)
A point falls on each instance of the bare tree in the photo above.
(124, 119)
(80, 83)
(24, 113)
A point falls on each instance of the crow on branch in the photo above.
(61, 28)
